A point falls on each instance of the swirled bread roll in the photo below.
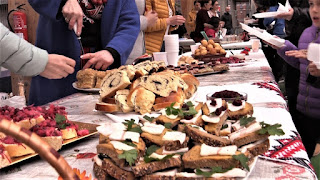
(192, 83)
(141, 99)
(112, 82)
(160, 84)
(86, 78)
(100, 76)
(121, 100)
(129, 69)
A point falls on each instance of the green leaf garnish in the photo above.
(271, 129)
(152, 149)
(224, 126)
(243, 160)
(217, 169)
(131, 126)
(148, 159)
(246, 120)
(150, 119)
(170, 110)
(168, 125)
(191, 111)
(61, 121)
(130, 156)
(129, 143)
(189, 104)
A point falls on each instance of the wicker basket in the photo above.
(208, 58)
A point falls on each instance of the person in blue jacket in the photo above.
(108, 32)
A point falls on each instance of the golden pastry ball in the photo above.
(222, 51)
(211, 42)
(197, 51)
(203, 52)
(213, 51)
(217, 49)
(216, 45)
(204, 43)
(209, 46)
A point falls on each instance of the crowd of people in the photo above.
(115, 32)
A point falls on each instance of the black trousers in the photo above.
(309, 130)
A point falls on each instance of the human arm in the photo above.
(25, 59)
(293, 61)
(151, 19)
(190, 21)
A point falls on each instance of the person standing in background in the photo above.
(297, 20)
(192, 16)
(227, 18)
(202, 18)
(167, 22)
(148, 18)
(110, 31)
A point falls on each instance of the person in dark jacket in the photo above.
(113, 29)
(202, 18)
(227, 18)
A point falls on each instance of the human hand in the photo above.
(101, 59)
(98, 2)
(302, 53)
(176, 20)
(286, 15)
(152, 17)
(314, 71)
(73, 14)
(58, 66)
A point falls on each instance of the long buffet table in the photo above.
(286, 158)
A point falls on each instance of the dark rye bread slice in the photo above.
(247, 110)
(157, 177)
(108, 168)
(206, 138)
(249, 138)
(110, 151)
(168, 145)
(204, 178)
(149, 168)
(260, 148)
(193, 160)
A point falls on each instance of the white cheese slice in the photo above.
(97, 160)
(182, 150)
(121, 146)
(213, 118)
(171, 116)
(160, 156)
(166, 173)
(198, 127)
(226, 130)
(242, 132)
(107, 129)
(209, 150)
(117, 135)
(236, 126)
(235, 172)
(174, 136)
(214, 108)
(133, 136)
(233, 108)
(152, 128)
(194, 119)
(186, 174)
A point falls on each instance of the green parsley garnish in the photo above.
(131, 126)
(243, 160)
(246, 120)
(150, 119)
(224, 126)
(271, 129)
(168, 125)
(130, 156)
(213, 170)
(61, 121)
(129, 143)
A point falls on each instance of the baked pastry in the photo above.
(160, 84)
(141, 99)
(129, 69)
(112, 82)
(174, 97)
(86, 78)
(107, 107)
(15, 148)
(192, 83)
(121, 99)
(100, 76)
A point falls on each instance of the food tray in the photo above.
(208, 57)
(81, 125)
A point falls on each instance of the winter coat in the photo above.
(19, 56)
(308, 101)
(119, 29)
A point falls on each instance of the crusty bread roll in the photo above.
(141, 99)
(68, 133)
(112, 82)
(121, 100)
(100, 76)
(160, 84)
(107, 107)
(192, 83)
(54, 141)
(18, 149)
(86, 78)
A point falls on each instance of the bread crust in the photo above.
(148, 168)
(107, 107)
(206, 138)
(17, 150)
(249, 138)
(247, 110)
(68, 133)
(192, 159)
(54, 141)
(109, 168)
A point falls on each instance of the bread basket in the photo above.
(208, 57)
(44, 150)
